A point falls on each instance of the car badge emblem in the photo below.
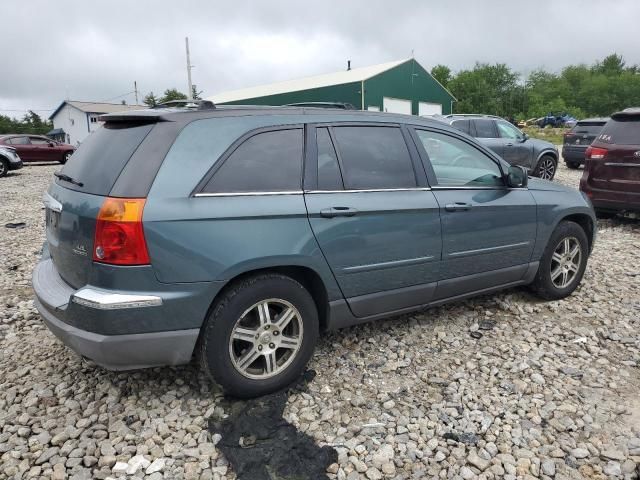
(80, 250)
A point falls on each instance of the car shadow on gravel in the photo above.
(261, 445)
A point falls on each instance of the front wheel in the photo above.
(260, 335)
(546, 168)
(563, 262)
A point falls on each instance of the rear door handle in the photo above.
(457, 207)
(338, 212)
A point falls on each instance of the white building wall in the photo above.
(76, 124)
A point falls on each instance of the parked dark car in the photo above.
(540, 158)
(557, 121)
(37, 148)
(577, 140)
(611, 176)
(239, 234)
(9, 160)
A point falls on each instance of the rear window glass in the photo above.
(464, 125)
(101, 157)
(590, 128)
(622, 131)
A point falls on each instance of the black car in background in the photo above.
(577, 140)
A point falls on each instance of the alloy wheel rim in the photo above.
(3, 168)
(266, 339)
(565, 262)
(547, 169)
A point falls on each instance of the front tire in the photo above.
(4, 167)
(546, 167)
(563, 262)
(260, 335)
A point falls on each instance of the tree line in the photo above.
(31, 123)
(581, 90)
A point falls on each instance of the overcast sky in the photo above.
(93, 51)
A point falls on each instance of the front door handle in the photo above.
(509, 145)
(338, 212)
(457, 207)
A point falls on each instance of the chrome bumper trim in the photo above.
(104, 300)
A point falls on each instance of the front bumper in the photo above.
(17, 165)
(63, 308)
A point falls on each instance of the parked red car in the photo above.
(611, 177)
(36, 148)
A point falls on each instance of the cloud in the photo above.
(95, 50)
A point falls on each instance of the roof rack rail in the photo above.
(187, 104)
(338, 105)
(472, 115)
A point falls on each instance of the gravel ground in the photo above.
(550, 390)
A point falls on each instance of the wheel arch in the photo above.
(547, 151)
(308, 277)
(585, 222)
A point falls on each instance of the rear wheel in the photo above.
(260, 335)
(546, 168)
(563, 262)
(4, 167)
(572, 165)
(65, 157)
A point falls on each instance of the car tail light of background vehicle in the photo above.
(595, 153)
(119, 237)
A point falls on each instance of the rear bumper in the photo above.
(572, 154)
(124, 352)
(122, 330)
(612, 200)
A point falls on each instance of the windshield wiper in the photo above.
(67, 178)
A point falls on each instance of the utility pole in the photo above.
(135, 89)
(189, 66)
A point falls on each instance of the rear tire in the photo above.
(573, 165)
(546, 167)
(65, 157)
(249, 346)
(563, 262)
(4, 167)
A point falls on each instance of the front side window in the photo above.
(374, 158)
(508, 131)
(485, 129)
(456, 163)
(265, 162)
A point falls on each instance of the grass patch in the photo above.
(553, 135)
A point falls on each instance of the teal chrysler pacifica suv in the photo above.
(238, 234)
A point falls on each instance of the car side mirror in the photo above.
(517, 177)
(525, 137)
(51, 144)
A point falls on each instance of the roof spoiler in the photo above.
(627, 113)
(133, 116)
(187, 104)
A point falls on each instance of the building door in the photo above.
(426, 108)
(396, 105)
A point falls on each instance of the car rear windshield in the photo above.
(622, 131)
(99, 160)
(590, 128)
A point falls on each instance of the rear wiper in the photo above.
(67, 178)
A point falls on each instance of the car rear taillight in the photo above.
(595, 153)
(119, 236)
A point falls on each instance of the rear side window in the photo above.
(101, 157)
(265, 162)
(621, 131)
(374, 158)
(485, 129)
(329, 177)
(19, 141)
(464, 125)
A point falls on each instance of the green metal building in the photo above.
(403, 86)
